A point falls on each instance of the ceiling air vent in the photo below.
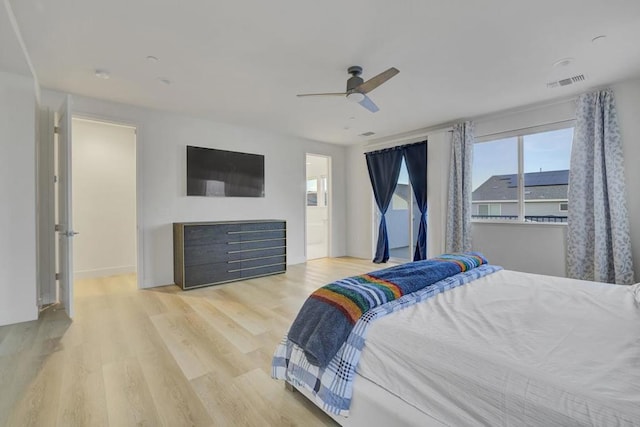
(367, 133)
(568, 81)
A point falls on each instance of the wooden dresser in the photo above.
(210, 253)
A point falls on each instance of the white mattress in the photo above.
(514, 349)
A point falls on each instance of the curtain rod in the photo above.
(397, 147)
(525, 128)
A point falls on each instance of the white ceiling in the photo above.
(244, 61)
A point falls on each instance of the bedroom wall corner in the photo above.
(18, 191)
(628, 103)
(359, 205)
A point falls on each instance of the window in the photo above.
(312, 192)
(523, 177)
(493, 209)
(317, 191)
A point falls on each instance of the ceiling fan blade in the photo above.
(368, 104)
(376, 81)
(324, 94)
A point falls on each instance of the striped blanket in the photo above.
(330, 313)
(332, 385)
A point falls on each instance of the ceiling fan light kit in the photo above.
(355, 96)
(357, 88)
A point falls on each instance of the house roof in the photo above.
(551, 185)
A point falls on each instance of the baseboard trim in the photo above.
(104, 272)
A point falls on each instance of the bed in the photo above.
(507, 348)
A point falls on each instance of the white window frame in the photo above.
(489, 206)
(560, 206)
(520, 134)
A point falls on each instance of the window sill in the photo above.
(519, 223)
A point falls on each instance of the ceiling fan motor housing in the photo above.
(355, 80)
(353, 83)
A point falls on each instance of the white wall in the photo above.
(628, 102)
(532, 248)
(18, 193)
(104, 199)
(360, 205)
(161, 141)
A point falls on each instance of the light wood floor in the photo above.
(162, 356)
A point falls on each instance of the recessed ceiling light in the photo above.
(165, 81)
(599, 39)
(152, 58)
(562, 62)
(102, 74)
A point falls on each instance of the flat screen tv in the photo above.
(220, 173)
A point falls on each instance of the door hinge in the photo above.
(56, 129)
(57, 276)
(58, 227)
(55, 179)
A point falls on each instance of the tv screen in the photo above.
(220, 173)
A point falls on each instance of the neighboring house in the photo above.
(545, 195)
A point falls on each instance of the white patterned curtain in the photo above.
(458, 235)
(598, 243)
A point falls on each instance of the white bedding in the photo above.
(514, 349)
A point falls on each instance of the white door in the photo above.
(65, 223)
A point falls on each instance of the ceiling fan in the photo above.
(357, 88)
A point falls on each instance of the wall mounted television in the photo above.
(220, 173)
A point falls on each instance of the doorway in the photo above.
(403, 219)
(104, 199)
(318, 203)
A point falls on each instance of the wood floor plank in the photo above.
(241, 338)
(127, 394)
(225, 403)
(82, 395)
(175, 400)
(38, 405)
(180, 344)
(162, 356)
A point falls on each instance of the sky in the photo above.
(546, 151)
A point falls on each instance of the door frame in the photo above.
(329, 189)
(139, 228)
(46, 242)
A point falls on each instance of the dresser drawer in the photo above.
(255, 226)
(256, 262)
(249, 236)
(256, 253)
(209, 273)
(257, 244)
(195, 235)
(263, 271)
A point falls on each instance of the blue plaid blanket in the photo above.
(332, 385)
(330, 313)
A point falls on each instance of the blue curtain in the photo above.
(384, 168)
(415, 156)
(598, 237)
